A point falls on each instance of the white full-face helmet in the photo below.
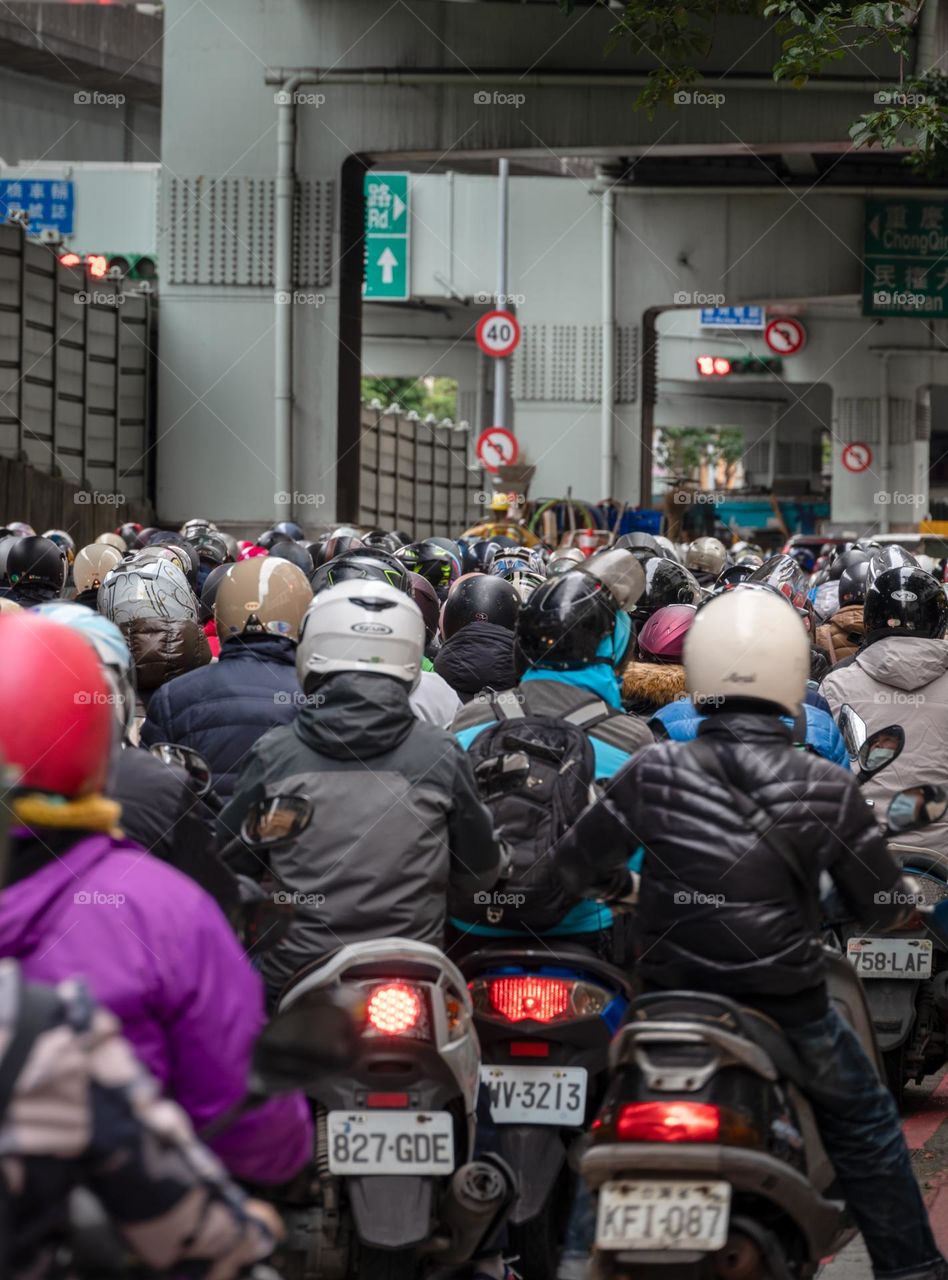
(361, 626)
(747, 644)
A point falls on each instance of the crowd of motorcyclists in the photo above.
(158, 686)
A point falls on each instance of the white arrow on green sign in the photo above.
(387, 221)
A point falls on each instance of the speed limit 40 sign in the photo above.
(497, 333)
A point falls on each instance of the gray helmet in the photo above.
(155, 589)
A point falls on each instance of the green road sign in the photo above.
(905, 263)
(385, 274)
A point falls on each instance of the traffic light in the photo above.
(725, 366)
(131, 266)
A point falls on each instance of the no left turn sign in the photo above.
(785, 335)
(857, 457)
(497, 333)
(497, 447)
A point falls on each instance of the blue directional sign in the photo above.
(732, 317)
(50, 203)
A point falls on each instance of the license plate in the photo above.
(663, 1215)
(371, 1142)
(536, 1095)
(891, 957)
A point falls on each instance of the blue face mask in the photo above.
(902, 811)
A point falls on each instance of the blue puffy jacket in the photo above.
(680, 721)
(222, 709)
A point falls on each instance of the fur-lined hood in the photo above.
(842, 635)
(648, 686)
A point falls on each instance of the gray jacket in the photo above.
(397, 822)
(901, 680)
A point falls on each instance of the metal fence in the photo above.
(414, 475)
(76, 392)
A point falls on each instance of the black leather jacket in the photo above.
(721, 908)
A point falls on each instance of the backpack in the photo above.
(536, 774)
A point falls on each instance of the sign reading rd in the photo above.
(387, 217)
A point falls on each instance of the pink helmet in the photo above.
(249, 550)
(662, 639)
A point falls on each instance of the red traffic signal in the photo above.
(713, 366)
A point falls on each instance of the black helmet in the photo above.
(129, 532)
(433, 561)
(377, 538)
(479, 598)
(734, 574)
(632, 541)
(905, 601)
(564, 622)
(337, 544)
(210, 547)
(295, 553)
(361, 563)
(292, 530)
(190, 560)
(36, 568)
(892, 556)
(426, 598)
(270, 537)
(209, 592)
(478, 556)
(450, 546)
(854, 583)
(844, 561)
(666, 582)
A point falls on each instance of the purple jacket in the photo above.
(156, 950)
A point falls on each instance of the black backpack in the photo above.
(536, 774)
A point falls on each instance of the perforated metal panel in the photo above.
(414, 476)
(858, 419)
(220, 231)
(563, 362)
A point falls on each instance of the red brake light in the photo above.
(529, 997)
(668, 1122)
(394, 1008)
(529, 1048)
(386, 1099)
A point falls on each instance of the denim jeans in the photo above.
(862, 1134)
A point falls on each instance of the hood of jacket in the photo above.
(599, 679)
(258, 649)
(27, 903)
(356, 717)
(843, 633)
(479, 656)
(162, 649)
(653, 683)
(905, 662)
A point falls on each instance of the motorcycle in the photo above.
(705, 1156)
(906, 970)
(394, 1190)
(545, 1023)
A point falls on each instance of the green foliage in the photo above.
(679, 37)
(439, 398)
(681, 451)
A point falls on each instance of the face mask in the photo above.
(901, 810)
(878, 757)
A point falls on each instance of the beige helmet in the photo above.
(747, 644)
(262, 596)
(706, 555)
(112, 540)
(92, 563)
(9, 606)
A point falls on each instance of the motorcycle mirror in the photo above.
(880, 749)
(916, 807)
(853, 728)
(273, 820)
(193, 763)
(315, 1034)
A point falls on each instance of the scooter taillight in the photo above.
(668, 1122)
(396, 1009)
(677, 1121)
(533, 997)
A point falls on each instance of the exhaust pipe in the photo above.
(474, 1207)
